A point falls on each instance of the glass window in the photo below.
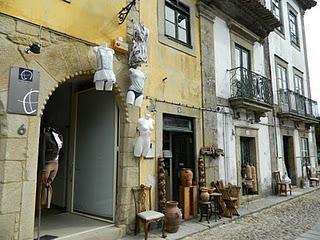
(277, 11)
(242, 57)
(298, 84)
(177, 21)
(293, 27)
(282, 77)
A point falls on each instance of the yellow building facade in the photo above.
(173, 96)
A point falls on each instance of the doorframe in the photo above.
(251, 133)
(72, 157)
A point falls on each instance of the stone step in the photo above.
(101, 233)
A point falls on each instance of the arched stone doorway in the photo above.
(71, 106)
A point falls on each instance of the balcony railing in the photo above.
(293, 102)
(250, 85)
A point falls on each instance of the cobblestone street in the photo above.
(285, 221)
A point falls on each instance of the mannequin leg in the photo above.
(138, 101)
(130, 97)
(138, 147)
(48, 175)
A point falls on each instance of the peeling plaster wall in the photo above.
(229, 165)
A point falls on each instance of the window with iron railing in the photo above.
(247, 84)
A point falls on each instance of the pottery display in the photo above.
(173, 216)
(204, 195)
(186, 176)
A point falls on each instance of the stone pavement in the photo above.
(312, 234)
(271, 217)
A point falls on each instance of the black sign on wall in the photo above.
(23, 91)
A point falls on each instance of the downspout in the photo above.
(272, 134)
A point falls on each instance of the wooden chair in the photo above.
(234, 192)
(230, 202)
(281, 187)
(312, 179)
(142, 201)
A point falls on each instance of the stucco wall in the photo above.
(282, 47)
(92, 20)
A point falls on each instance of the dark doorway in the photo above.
(288, 154)
(249, 170)
(178, 138)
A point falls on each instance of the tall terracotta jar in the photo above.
(204, 195)
(186, 176)
(173, 216)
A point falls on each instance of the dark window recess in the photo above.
(277, 12)
(177, 21)
(293, 26)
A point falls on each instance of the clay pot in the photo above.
(172, 215)
(204, 195)
(186, 176)
(210, 189)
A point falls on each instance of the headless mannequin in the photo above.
(145, 127)
(135, 91)
(52, 144)
(104, 77)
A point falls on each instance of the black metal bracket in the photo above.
(122, 15)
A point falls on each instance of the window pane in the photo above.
(170, 29)
(182, 35)
(245, 59)
(238, 57)
(182, 21)
(169, 14)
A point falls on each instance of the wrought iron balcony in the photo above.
(296, 105)
(250, 89)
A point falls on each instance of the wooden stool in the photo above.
(205, 210)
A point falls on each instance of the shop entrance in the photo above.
(178, 145)
(288, 155)
(248, 166)
(83, 191)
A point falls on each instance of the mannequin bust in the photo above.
(104, 77)
(145, 127)
(135, 91)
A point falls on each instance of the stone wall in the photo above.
(62, 58)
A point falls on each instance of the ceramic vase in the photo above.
(173, 216)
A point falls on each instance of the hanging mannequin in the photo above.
(139, 54)
(51, 142)
(104, 77)
(135, 91)
(145, 127)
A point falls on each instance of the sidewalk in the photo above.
(194, 226)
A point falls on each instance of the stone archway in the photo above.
(62, 59)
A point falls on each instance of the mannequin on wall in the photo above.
(104, 77)
(135, 91)
(51, 142)
(145, 127)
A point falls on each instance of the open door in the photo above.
(95, 154)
